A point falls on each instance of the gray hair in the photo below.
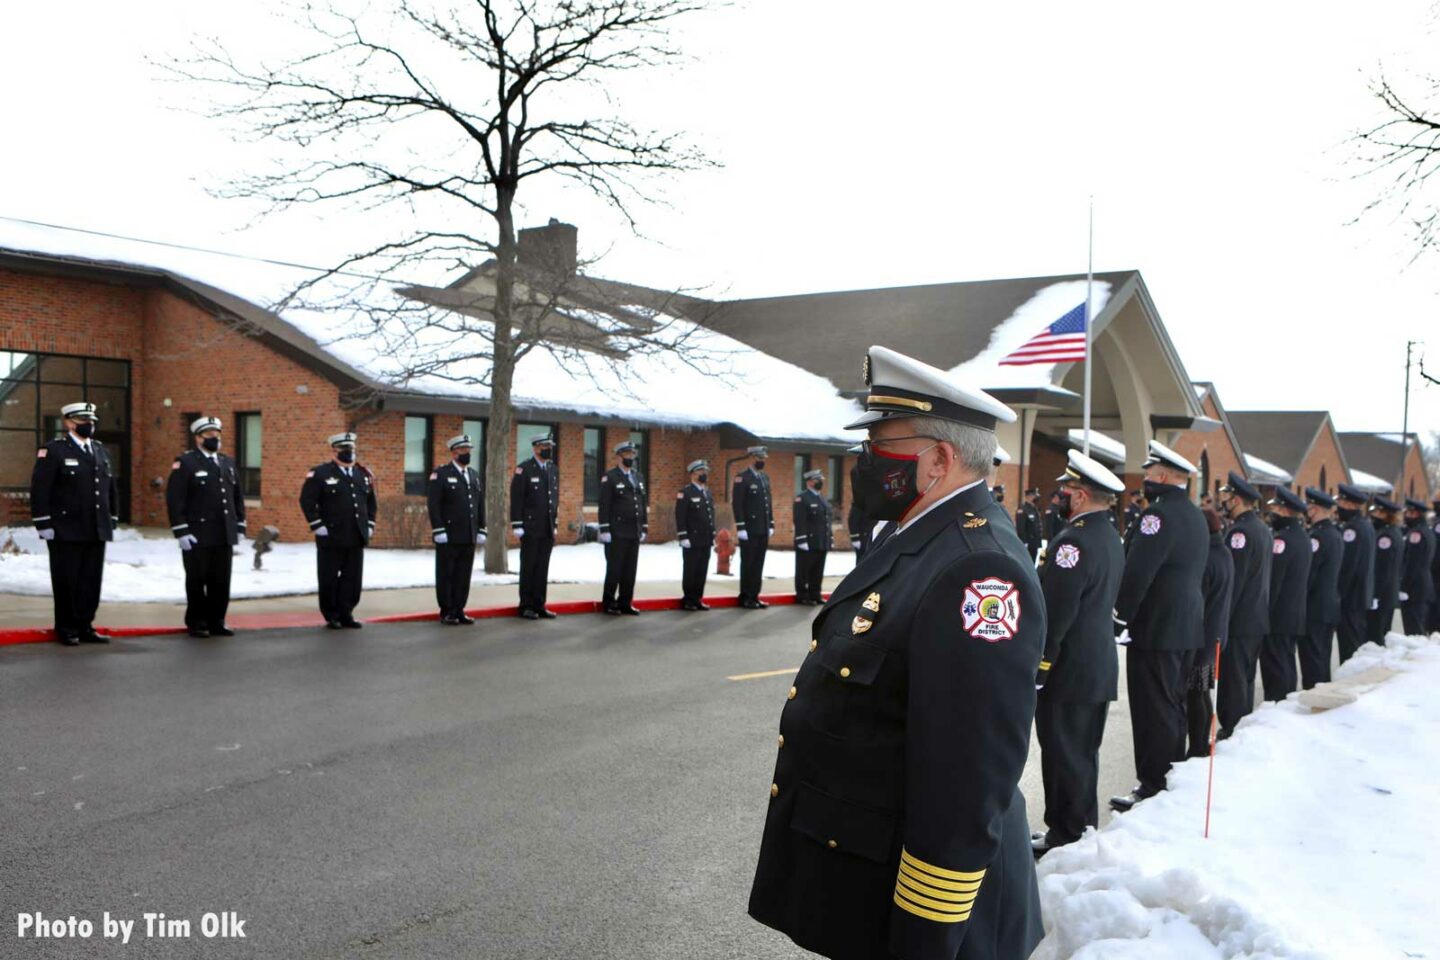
(974, 446)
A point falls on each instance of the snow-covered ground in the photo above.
(1324, 841)
(147, 569)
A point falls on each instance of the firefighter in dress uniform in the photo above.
(1289, 581)
(1216, 586)
(73, 504)
(456, 503)
(812, 521)
(1252, 548)
(624, 525)
(695, 531)
(1322, 591)
(1357, 569)
(1078, 675)
(207, 517)
(754, 525)
(534, 516)
(1416, 588)
(1432, 623)
(338, 499)
(1027, 522)
(1162, 608)
(895, 826)
(1389, 544)
(1133, 509)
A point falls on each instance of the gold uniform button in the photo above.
(831, 844)
(774, 789)
(791, 695)
(813, 645)
(782, 739)
(844, 671)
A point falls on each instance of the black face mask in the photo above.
(346, 456)
(885, 484)
(85, 430)
(1346, 513)
(1277, 521)
(211, 444)
(1065, 506)
(702, 478)
(819, 485)
(627, 462)
(1153, 489)
(759, 464)
(1379, 523)
(463, 459)
(544, 454)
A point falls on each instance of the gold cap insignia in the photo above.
(860, 625)
(865, 370)
(975, 522)
(872, 603)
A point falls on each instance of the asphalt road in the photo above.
(588, 787)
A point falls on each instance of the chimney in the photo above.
(551, 248)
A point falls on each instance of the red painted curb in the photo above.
(274, 621)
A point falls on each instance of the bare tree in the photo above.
(1403, 151)
(432, 116)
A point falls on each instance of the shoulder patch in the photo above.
(309, 474)
(798, 499)
(434, 474)
(1279, 546)
(1067, 555)
(1314, 545)
(1150, 524)
(991, 609)
(1383, 543)
(42, 453)
(1414, 536)
(1237, 540)
(519, 470)
(175, 465)
(680, 495)
(1349, 536)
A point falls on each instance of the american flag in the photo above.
(1061, 342)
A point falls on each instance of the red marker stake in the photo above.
(1214, 729)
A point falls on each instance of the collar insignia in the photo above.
(872, 603)
(975, 522)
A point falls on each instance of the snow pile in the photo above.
(1322, 841)
(761, 394)
(1034, 315)
(140, 569)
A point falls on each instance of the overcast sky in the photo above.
(870, 145)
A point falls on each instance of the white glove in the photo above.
(685, 544)
(604, 538)
(1404, 596)
(1375, 604)
(520, 533)
(372, 529)
(771, 533)
(321, 532)
(1124, 638)
(802, 546)
(480, 539)
(442, 537)
(188, 541)
(744, 535)
(47, 534)
(642, 537)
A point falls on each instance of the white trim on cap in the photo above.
(1093, 472)
(462, 440)
(1158, 451)
(205, 423)
(339, 438)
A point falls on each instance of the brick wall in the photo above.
(1324, 455)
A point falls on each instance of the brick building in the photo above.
(1302, 443)
(1380, 455)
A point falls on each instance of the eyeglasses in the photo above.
(868, 446)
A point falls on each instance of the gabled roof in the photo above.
(1283, 437)
(1378, 454)
(1205, 388)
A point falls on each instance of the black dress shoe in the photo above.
(610, 610)
(1128, 801)
(199, 634)
(761, 604)
(334, 625)
(529, 614)
(702, 606)
(1039, 846)
(548, 614)
(462, 619)
(221, 631)
(68, 639)
(450, 621)
(351, 624)
(630, 611)
(688, 606)
(93, 637)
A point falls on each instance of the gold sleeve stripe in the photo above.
(934, 871)
(930, 881)
(933, 898)
(924, 914)
(1044, 664)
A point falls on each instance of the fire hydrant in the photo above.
(724, 550)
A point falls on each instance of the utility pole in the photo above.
(1405, 429)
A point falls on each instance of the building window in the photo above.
(525, 432)
(802, 464)
(247, 452)
(475, 430)
(1204, 471)
(1322, 479)
(418, 454)
(641, 439)
(594, 460)
(835, 481)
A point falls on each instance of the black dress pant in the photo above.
(1314, 650)
(809, 573)
(1277, 666)
(1034, 550)
(1237, 680)
(621, 559)
(1350, 631)
(454, 563)
(694, 567)
(207, 585)
(1413, 615)
(1070, 735)
(1155, 682)
(752, 566)
(1199, 707)
(340, 571)
(1379, 622)
(534, 571)
(76, 570)
(1432, 619)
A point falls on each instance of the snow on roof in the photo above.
(1369, 482)
(1030, 318)
(1265, 471)
(761, 394)
(1099, 443)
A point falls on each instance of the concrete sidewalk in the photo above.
(28, 611)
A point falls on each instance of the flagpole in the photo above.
(1089, 283)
